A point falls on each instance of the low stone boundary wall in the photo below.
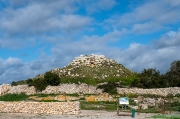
(70, 108)
(155, 91)
(83, 89)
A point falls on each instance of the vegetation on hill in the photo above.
(40, 83)
(151, 78)
(109, 87)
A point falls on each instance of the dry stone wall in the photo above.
(84, 89)
(41, 107)
(155, 91)
(22, 88)
(4, 89)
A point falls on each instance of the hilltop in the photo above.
(93, 67)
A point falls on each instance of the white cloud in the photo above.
(172, 34)
(170, 39)
(147, 27)
(19, 26)
(148, 17)
(10, 63)
(95, 6)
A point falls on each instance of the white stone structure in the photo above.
(92, 60)
(72, 108)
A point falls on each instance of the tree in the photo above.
(173, 75)
(175, 66)
(13, 83)
(39, 84)
(110, 87)
(51, 79)
(148, 78)
(30, 82)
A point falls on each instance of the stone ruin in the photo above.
(91, 61)
(84, 89)
(87, 89)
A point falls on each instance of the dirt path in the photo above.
(85, 114)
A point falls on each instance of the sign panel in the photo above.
(124, 100)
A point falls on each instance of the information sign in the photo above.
(124, 100)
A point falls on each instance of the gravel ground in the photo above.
(85, 114)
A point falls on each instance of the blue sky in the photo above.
(39, 35)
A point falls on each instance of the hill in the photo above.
(93, 68)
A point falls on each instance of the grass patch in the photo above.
(14, 97)
(124, 81)
(103, 105)
(151, 110)
(44, 95)
(74, 95)
(168, 116)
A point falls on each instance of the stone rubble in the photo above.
(63, 108)
(4, 88)
(102, 97)
(91, 61)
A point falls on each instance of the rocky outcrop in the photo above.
(40, 107)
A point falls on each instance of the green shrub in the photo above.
(30, 82)
(103, 105)
(21, 82)
(39, 84)
(110, 87)
(51, 79)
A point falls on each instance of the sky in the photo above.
(39, 35)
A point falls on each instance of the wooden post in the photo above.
(170, 105)
(118, 106)
(163, 105)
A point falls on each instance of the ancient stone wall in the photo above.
(40, 107)
(92, 60)
(84, 89)
(4, 88)
(72, 88)
(155, 91)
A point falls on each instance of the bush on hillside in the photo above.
(110, 87)
(51, 79)
(30, 82)
(40, 84)
(21, 82)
